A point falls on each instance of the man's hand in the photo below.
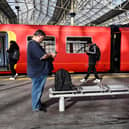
(53, 55)
(47, 55)
(87, 48)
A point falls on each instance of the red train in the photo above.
(66, 40)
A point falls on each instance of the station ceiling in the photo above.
(87, 12)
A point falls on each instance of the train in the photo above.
(66, 41)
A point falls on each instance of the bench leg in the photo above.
(61, 104)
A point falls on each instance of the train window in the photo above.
(77, 44)
(48, 43)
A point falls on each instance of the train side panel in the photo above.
(74, 62)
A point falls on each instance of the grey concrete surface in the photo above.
(81, 113)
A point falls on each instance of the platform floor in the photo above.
(111, 112)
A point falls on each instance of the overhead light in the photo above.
(17, 7)
(72, 14)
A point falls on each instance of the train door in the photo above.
(3, 54)
(115, 49)
(5, 37)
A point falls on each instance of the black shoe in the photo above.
(43, 109)
(43, 105)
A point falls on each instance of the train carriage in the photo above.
(66, 41)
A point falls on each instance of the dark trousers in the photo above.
(12, 67)
(92, 68)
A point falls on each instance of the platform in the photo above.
(89, 112)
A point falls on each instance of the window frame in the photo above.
(67, 50)
(54, 40)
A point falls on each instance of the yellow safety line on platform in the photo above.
(75, 76)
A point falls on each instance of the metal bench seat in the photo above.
(95, 90)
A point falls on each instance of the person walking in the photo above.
(13, 57)
(38, 68)
(92, 51)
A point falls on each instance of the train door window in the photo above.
(48, 43)
(3, 46)
(77, 44)
(5, 38)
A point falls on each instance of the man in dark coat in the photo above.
(38, 68)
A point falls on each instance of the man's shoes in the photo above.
(43, 109)
(83, 80)
(40, 109)
(43, 105)
(11, 78)
(36, 110)
(96, 81)
(16, 75)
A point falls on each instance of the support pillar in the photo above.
(61, 104)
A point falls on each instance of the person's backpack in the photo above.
(98, 54)
(63, 81)
(16, 55)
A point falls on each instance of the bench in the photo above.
(86, 91)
